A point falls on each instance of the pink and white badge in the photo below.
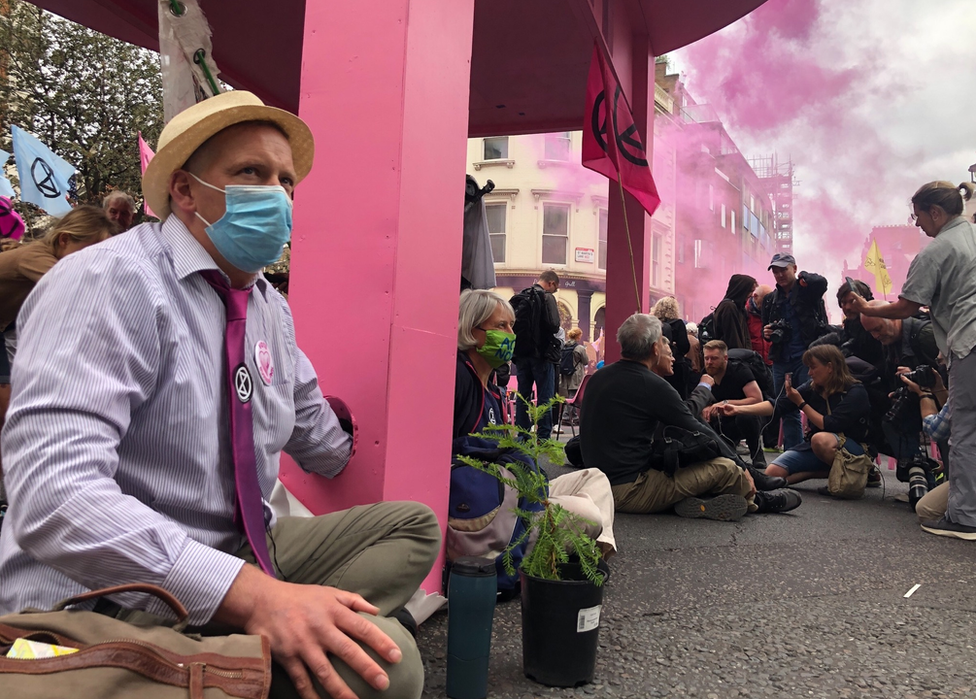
(262, 357)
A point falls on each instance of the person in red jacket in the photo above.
(754, 313)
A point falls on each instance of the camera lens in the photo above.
(918, 485)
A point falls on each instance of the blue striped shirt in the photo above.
(116, 449)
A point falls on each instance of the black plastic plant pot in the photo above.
(560, 627)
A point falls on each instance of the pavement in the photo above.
(804, 604)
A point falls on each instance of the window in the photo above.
(496, 148)
(711, 198)
(555, 233)
(602, 252)
(496, 214)
(698, 254)
(681, 251)
(558, 146)
(733, 222)
(656, 260)
(723, 215)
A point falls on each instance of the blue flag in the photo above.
(6, 189)
(43, 175)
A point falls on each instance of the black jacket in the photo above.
(809, 306)
(545, 341)
(469, 398)
(848, 411)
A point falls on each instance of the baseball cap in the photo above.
(781, 260)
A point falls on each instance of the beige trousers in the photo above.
(934, 504)
(653, 491)
(587, 494)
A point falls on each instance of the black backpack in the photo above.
(567, 361)
(706, 329)
(528, 312)
(755, 364)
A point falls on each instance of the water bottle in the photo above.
(470, 609)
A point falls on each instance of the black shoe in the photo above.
(874, 479)
(946, 527)
(780, 500)
(406, 620)
(725, 508)
(764, 482)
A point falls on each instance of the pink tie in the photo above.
(249, 514)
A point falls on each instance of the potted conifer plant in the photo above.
(563, 572)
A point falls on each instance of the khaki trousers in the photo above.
(587, 494)
(381, 551)
(653, 491)
(934, 503)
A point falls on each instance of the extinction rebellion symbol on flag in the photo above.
(44, 180)
(628, 142)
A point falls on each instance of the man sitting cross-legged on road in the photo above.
(624, 404)
(734, 385)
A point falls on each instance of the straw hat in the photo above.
(189, 129)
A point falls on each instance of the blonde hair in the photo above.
(575, 334)
(475, 308)
(666, 309)
(945, 195)
(83, 224)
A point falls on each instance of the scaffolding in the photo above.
(779, 180)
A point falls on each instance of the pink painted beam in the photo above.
(634, 64)
(376, 258)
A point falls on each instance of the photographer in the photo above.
(793, 316)
(941, 277)
(907, 344)
(937, 423)
(851, 336)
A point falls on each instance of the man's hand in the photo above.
(707, 380)
(708, 412)
(727, 409)
(305, 622)
(768, 331)
(752, 484)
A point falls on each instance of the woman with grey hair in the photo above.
(485, 341)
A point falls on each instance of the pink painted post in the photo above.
(637, 80)
(375, 267)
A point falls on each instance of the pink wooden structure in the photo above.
(391, 90)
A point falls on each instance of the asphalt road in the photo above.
(805, 604)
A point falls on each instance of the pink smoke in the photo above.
(788, 78)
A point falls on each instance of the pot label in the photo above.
(588, 619)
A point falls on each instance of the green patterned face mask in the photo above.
(498, 347)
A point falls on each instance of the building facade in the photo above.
(549, 212)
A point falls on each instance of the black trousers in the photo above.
(747, 427)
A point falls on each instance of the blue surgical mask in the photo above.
(255, 227)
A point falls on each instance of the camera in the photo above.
(924, 376)
(779, 331)
(919, 473)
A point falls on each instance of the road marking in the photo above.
(912, 591)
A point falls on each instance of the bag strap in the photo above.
(174, 604)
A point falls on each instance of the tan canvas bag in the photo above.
(117, 659)
(849, 473)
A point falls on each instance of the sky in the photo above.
(871, 99)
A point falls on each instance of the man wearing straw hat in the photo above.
(160, 383)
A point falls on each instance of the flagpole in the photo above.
(630, 245)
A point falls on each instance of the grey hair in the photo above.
(476, 307)
(638, 335)
(118, 194)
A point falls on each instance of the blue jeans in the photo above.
(792, 427)
(541, 373)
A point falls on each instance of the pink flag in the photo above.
(145, 155)
(611, 144)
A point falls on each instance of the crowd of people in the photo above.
(144, 431)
